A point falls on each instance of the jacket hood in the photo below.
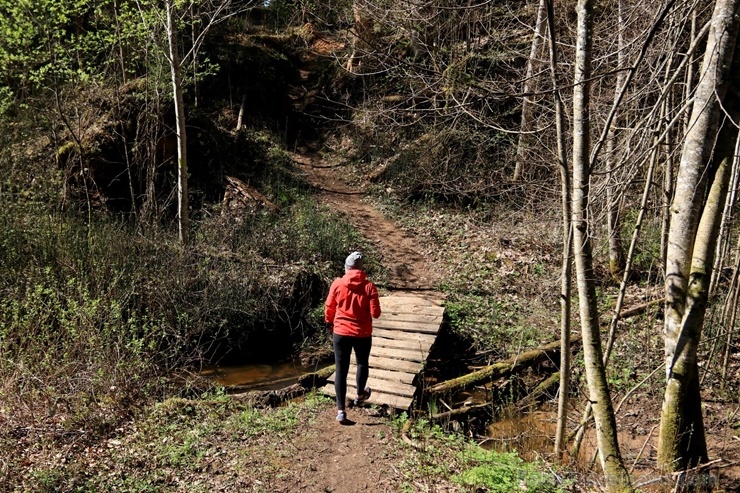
(355, 278)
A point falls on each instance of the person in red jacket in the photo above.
(351, 305)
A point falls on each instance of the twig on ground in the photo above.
(642, 449)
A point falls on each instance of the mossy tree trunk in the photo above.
(615, 474)
(701, 189)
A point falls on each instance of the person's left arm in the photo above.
(374, 301)
(330, 308)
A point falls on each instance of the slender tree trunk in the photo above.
(621, 293)
(731, 309)
(530, 85)
(363, 36)
(723, 244)
(194, 41)
(182, 159)
(616, 250)
(240, 118)
(615, 474)
(667, 194)
(567, 262)
(692, 242)
(689, 85)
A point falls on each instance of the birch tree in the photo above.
(701, 187)
(183, 223)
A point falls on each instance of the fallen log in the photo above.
(273, 398)
(460, 412)
(316, 379)
(639, 309)
(465, 412)
(547, 385)
(549, 352)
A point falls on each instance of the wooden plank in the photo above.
(390, 375)
(400, 335)
(408, 311)
(402, 344)
(410, 300)
(393, 364)
(406, 326)
(417, 355)
(395, 401)
(390, 321)
(380, 386)
(427, 318)
(393, 376)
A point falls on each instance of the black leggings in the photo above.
(343, 346)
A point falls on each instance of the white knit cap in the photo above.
(354, 261)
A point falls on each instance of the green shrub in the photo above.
(503, 472)
(95, 317)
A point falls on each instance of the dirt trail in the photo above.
(408, 269)
(357, 455)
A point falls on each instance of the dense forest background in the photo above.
(154, 218)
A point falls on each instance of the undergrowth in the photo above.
(469, 465)
(97, 319)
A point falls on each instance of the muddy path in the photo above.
(408, 269)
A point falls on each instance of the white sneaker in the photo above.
(341, 416)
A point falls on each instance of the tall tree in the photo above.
(530, 85)
(616, 250)
(567, 261)
(175, 61)
(701, 185)
(615, 474)
(178, 13)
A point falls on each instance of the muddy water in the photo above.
(529, 434)
(258, 376)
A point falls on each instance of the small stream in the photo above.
(253, 376)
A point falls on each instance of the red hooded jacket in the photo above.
(352, 304)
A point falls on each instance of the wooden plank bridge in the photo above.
(402, 339)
